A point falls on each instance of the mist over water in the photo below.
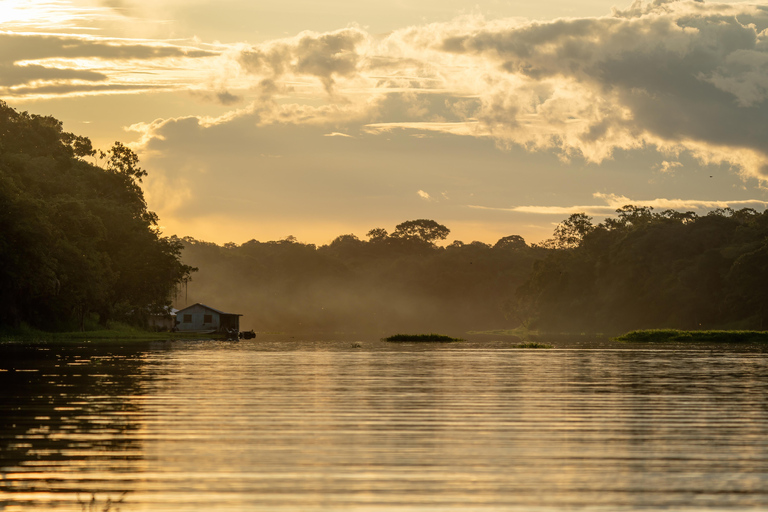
(285, 423)
(355, 286)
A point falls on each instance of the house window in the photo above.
(207, 319)
(187, 319)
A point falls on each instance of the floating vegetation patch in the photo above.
(533, 344)
(674, 335)
(422, 337)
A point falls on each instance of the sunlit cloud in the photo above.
(612, 202)
(40, 15)
(669, 167)
(466, 128)
(680, 83)
(51, 48)
(677, 77)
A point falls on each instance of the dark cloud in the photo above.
(69, 88)
(221, 97)
(18, 75)
(678, 71)
(20, 47)
(323, 56)
(227, 98)
(117, 5)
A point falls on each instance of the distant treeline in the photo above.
(77, 242)
(391, 282)
(638, 270)
(649, 270)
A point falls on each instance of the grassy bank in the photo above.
(676, 336)
(115, 332)
(421, 337)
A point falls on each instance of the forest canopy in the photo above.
(639, 269)
(643, 269)
(78, 242)
(76, 237)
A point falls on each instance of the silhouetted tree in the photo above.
(75, 239)
(423, 230)
(511, 242)
(377, 235)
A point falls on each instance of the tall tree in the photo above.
(76, 239)
(421, 230)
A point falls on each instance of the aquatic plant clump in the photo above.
(674, 335)
(534, 344)
(421, 337)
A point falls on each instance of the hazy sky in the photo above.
(259, 120)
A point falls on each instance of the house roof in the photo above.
(181, 311)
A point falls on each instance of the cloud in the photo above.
(424, 195)
(675, 75)
(49, 64)
(467, 129)
(11, 75)
(26, 47)
(325, 56)
(612, 202)
(80, 89)
(39, 15)
(221, 97)
(669, 167)
(672, 76)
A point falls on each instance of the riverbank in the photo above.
(115, 332)
(677, 336)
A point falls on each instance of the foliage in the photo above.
(421, 230)
(643, 269)
(75, 239)
(420, 337)
(377, 285)
(115, 331)
(534, 344)
(674, 335)
(637, 270)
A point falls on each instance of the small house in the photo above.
(201, 318)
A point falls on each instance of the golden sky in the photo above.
(260, 120)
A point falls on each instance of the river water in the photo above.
(297, 425)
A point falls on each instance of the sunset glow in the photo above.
(354, 119)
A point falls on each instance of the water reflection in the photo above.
(67, 424)
(200, 426)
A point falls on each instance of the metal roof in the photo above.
(207, 307)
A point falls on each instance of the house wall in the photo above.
(197, 312)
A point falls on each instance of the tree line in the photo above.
(392, 281)
(77, 242)
(643, 269)
(639, 269)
